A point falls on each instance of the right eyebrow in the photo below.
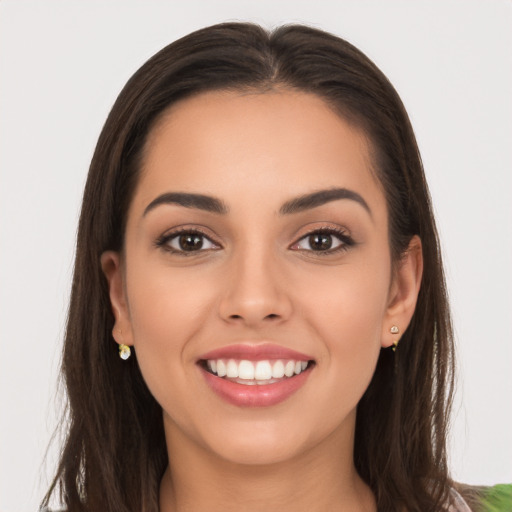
(199, 201)
(315, 199)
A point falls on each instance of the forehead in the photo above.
(231, 144)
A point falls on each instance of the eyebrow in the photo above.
(296, 205)
(315, 199)
(199, 201)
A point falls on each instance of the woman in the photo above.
(258, 317)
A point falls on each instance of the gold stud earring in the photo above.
(124, 352)
(395, 330)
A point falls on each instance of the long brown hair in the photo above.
(115, 453)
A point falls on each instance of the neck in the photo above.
(315, 480)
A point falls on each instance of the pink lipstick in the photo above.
(255, 375)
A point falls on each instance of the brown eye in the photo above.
(323, 241)
(190, 242)
(186, 242)
(320, 241)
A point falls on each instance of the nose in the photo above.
(255, 291)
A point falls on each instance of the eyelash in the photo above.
(343, 237)
(163, 241)
(346, 241)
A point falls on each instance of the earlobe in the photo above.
(111, 265)
(403, 293)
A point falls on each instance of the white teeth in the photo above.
(246, 370)
(251, 372)
(263, 370)
(289, 368)
(221, 368)
(278, 370)
(232, 369)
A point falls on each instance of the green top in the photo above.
(498, 499)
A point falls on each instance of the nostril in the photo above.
(272, 316)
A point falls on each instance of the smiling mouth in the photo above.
(252, 373)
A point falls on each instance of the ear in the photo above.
(404, 292)
(112, 266)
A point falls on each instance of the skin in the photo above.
(259, 279)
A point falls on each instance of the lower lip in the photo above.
(258, 395)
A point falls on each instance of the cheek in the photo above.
(167, 305)
(167, 310)
(345, 307)
(347, 299)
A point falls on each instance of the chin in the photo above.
(257, 454)
(262, 443)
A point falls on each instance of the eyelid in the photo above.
(341, 233)
(163, 240)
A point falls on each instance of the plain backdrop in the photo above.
(62, 65)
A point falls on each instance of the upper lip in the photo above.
(255, 352)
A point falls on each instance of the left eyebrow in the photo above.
(199, 201)
(315, 199)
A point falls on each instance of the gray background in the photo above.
(61, 67)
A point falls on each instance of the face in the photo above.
(257, 244)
